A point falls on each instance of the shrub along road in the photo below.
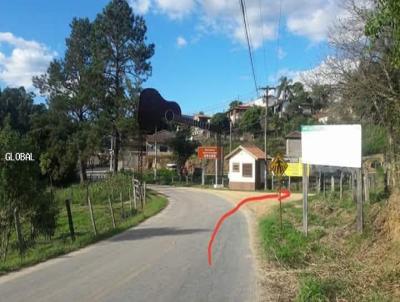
(164, 259)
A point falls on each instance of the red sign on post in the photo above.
(209, 152)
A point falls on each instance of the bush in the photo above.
(314, 289)
(377, 196)
(44, 216)
(165, 176)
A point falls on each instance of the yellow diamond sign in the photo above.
(278, 165)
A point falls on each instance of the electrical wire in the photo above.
(263, 44)
(278, 41)
(244, 15)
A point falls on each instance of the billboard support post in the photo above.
(305, 199)
(360, 213)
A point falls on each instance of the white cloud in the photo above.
(308, 18)
(293, 75)
(26, 59)
(315, 24)
(181, 42)
(175, 9)
(327, 72)
(140, 6)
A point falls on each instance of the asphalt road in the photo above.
(163, 259)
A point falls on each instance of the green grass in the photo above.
(61, 243)
(314, 289)
(330, 245)
(289, 246)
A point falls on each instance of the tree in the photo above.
(72, 85)
(251, 120)
(220, 121)
(383, 25)
(182, 147)
(320, 97)
(18, 106)
(22, 190)
(367, 77)
(234, 104)
(123, 53)
(284, 89)
(52, 133)
(299, 101)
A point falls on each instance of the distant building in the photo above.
(246, 168)
(235, 114)
(278, 106)
(199, 133)
(322, 117)
(160, 139)
(164, 151)
(293, 146)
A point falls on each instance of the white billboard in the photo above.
(331, 145)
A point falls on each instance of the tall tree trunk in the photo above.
(82, 168)
(116, 151)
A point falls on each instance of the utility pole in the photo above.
(266, 95)
(230, 135)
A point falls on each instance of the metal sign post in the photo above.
(211, 152)
(279, 166)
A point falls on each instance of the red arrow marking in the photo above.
(282, 195)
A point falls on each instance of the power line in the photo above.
(244, 15)
(263, 44)
(278, 37)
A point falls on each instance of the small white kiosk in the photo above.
(246, 168)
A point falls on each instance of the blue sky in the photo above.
(201, 59)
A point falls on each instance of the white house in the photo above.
(246, 168)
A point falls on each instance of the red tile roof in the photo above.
(256, 152)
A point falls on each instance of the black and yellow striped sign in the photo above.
(278, 165)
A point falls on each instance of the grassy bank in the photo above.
(43, 248)
(333, 263)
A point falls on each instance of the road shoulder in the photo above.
(267, 273)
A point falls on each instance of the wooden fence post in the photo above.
(140, 189)
(92, 216)
(18, 230)
(70, 221)
(134, 196)
(341, 185)
(350, 181)
(144, 193)
(360, 213)
(366, 187)
(122, 205)
(112, 212)
(130, 200)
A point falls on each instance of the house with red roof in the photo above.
(246, 168)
